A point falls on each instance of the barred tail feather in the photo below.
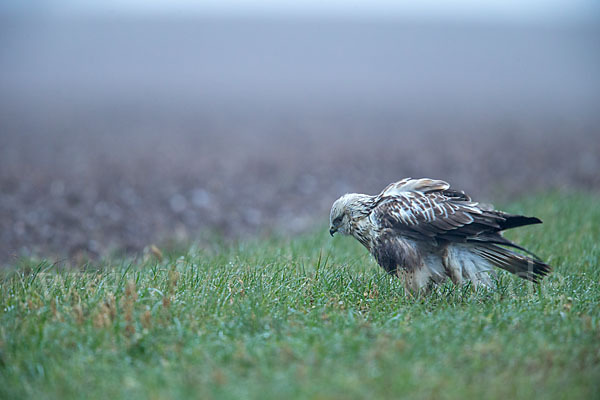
(525, 267)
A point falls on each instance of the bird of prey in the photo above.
(425, 232)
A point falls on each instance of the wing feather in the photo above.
(435, 213)
(423, 185)
(429, 209)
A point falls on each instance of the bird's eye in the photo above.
(338, 220)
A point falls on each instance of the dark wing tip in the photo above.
(515, 221)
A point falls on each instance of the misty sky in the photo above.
(517, 10)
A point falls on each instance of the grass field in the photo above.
(308, 317)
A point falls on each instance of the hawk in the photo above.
(425, 232)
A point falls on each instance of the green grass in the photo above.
(309, 317)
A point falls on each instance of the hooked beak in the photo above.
(332, 231)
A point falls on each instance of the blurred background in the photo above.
(126, 123)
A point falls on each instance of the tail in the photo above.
(524, 267)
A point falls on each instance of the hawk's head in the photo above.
(346, 210)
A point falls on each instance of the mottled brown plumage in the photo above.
(425, 232)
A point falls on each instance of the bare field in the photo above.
(97, 188)
(118, 135)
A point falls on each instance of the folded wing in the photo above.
(429, 209)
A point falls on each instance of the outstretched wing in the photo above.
(428, 209)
